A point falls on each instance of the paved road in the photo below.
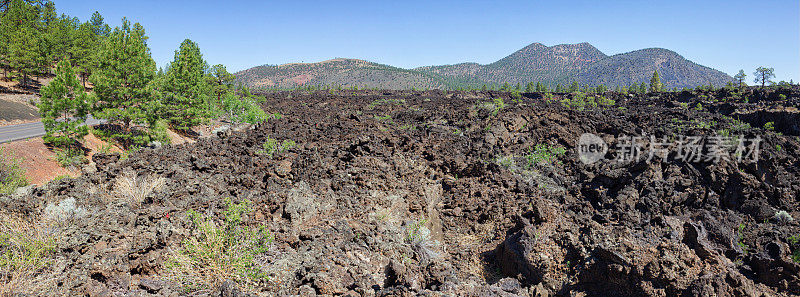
(30, 130)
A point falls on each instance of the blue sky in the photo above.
(725, 35)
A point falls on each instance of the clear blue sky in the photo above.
(726, 35)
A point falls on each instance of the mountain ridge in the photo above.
(536, 62)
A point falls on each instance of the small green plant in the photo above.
(219, 251)
(419, 237)
(516, 97)
(379, 102)
(603, 101)
(384, 118)
(778, 147)
(740, 242)
(783, 217)
(495, 106)
(794, 242)
(505, 161)
(769, 126)
(12, 176)
(60, 177)
(271, 146)
(68, 158)
(738, 126)
(498, 105)
(106, 148)
(698, 107)
(543, 154)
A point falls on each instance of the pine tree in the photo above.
(64, 98)
(186, 90)
(82, 51)
(21, 36)
(58, 40)
(99, 27)
(739, 78)
(221, 81)
(574, 87)
(655, 83)
(529, 87)
(763, 75)
(642, 88)
(559, 88)
(121, 80)
(540, 87)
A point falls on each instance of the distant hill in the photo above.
(344, 72)
(535, 62)
(638, 66)
(551, 65)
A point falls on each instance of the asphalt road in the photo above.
(30, 130)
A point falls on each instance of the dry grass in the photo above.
(135, 189)
(27, 250)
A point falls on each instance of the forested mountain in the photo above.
(549, 65)
(638, 66)
(339, 72)
(536, 62)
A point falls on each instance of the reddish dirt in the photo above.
(96, 145)
(38, 160)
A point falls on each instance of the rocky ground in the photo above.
(438, 194)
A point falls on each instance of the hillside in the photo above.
(535, 62)
(551, 65)
(344, 72)
(638, 66)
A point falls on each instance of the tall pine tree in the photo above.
(121, 80)
(655, 83)
(221, 80)
(21, 36)
(64, 98)
(83, 51)
(186, 90)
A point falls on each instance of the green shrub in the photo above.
(66, 157)
(794, 243)
(544, 154)
(12, 176)
(245, 110)
(159, 132)
(220, 251)
(271, 146)
(769, 126)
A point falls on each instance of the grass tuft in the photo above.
(220, 251)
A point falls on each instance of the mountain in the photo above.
(535, 62)
(558, 64)
(344, 72)
(638, 66)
